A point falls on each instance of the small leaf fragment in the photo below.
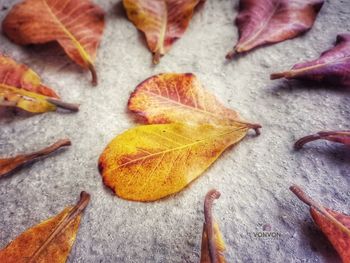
(162, 21)
(213, 245)
(150, 162)
(335, 225)
(332, 66)
(49, 241)
(22, 88)
(333, 136)
(263, 22)
(9, 165)
(77, 25)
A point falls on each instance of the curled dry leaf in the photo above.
(162, 21)
(335, 225)
(11, 164)
(150, 162)
(77, 25)
(22, 88)
(213, 245)
(333, 66)
(262, 22)
(49, 241)
(333, 136)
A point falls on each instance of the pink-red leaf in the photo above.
(333, 66)
(262, 22)
(333, 136)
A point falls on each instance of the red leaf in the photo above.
(333, 66)
(335, 225)
(262, 22)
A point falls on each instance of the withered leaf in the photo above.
(213, 245)
(333, 136)
(22, 88)
(162, 21)
(150, 162)
(263, 22)
(335, 225)
(49, 241)
(77, 25)
(333, 66)
(9, 165)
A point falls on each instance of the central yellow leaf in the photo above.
(150, 162)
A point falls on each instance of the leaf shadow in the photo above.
(42, 56)
(319, 243)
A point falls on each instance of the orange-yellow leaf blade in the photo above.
(49, 241)
(175, 97)
(162, 21)
(77, 25)
(150, 162)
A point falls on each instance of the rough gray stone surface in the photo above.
(253, 177)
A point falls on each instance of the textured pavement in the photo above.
(253, 177)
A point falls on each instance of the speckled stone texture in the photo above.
(253, 177)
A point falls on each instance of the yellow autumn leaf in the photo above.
(150, 162)
(49, 241)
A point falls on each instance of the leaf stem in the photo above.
(156, 57)
(93, 74)
(61, 226)
(231, 54)
(279, 75)
(208, 203)
(10, 164)
(64, 105)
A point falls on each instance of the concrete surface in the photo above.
(253, 177)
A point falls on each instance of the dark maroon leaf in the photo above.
(333, 66)
(262, 22)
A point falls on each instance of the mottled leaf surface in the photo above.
(150, 162)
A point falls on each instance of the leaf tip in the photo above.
(230, 55)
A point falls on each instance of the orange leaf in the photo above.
(22, 88)
(11, 164)
(335, 225)
(172, 97)
(162, 21)
(77, 25)
(213, 245)
(262, 22)
(49, 241)
(22, 77)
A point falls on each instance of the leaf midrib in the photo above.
(84, 55)
(177, 148)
